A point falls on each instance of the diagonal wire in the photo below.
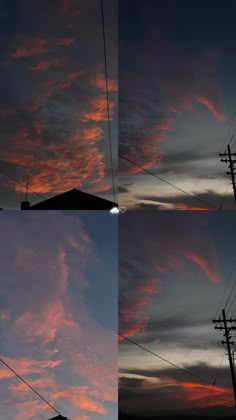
(107, 97)
(232, 303)
(165, 360)
(224, 196)
(232, 287)
(226, 287)
(217, 371)
(26, 383)
(232, 136)
(169, 183)
(231, 125)
(20, 183)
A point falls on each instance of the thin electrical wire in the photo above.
(20, 183)
(224, 196)
(232, 136)
(226, 287)
(231, 289)
(107, 98)
(36, 392)
(165, 360)
(169, 183)
(231, 304)
(231, 125)
(214, 382)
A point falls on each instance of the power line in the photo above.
(165, 360)
(232, 135)
(37, 393)
(228, 132)
(107, 97)
(217, 371)
(169, 183)
(232, 288)
(224, 196)
(226, 287)
(20, 183)
(232, 302)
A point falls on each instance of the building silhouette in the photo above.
(71, 200)
(59, 418)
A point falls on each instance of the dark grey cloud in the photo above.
(147, 206)
(130, 382)
(209, 199)
(122, 189)
(204, 371)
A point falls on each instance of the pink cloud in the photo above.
(205, 264)
(98, 109)
(44, 65)
(28, 46)
(67, 41)
(213, 107)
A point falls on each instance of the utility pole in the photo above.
(228, 159)
(227, 341)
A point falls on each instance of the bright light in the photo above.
(115, 210)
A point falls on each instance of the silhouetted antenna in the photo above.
(20, 183)
(26, 190)
(107, 96)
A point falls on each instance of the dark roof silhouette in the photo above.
(72, 200)
(59, 418)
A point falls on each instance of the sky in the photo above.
(172, 275)
(176, 102)
(53, 109)
(58, 314)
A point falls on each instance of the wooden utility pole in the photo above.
(228, 159)
(227, 341)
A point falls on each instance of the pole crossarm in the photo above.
(225, 324)
(227, 157)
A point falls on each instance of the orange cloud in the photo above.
(166, 124)
(134, 169)
(25, 366)
(150, 286)
(99, 81)
(51, 320)
(131, 316)
(82, 418)
(98, 189)
(212, 106)
(71, 166)
(28, 46)
(65, 85)
(203, 262)
(76, 74)
(199, 394)
(98, 113)
(187, 207)
(67, 41)
(46, 64)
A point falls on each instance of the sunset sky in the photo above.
(58, 314)
(176, 101)
(173, 271)
(53, 111)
